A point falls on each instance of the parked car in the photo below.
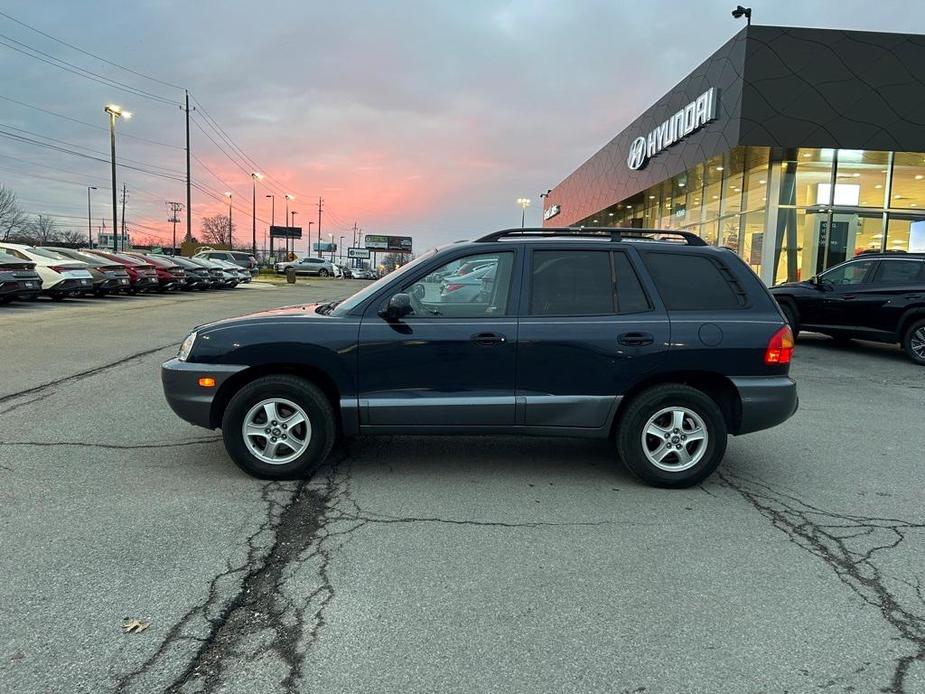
(170, 275)
(307, 266)
(345, 271)
(470, 286)
(667, 347)
(108, 276)
(361, 273)
(239, 258)
(61, 277)
(142, 275)
(197, 277)
(878, 297)
(241, 274)
(18, 278)
(219, 277)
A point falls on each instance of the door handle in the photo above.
(635, 339)
(488, 338)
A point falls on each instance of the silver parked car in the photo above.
(307, 266)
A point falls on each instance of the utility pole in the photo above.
(174, 216)
(124, 195)
(89, 220)
(320, 203)
(355, 245)
(189, 207)
(272, 224)
(309, 250)
(254, 178)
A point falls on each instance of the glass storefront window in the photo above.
(802, 175)
(860, 178)
(713, 187)
(756, 177)
(908, 188)
(753, 230)
(905, 233)
(729, 232)
(733, 181)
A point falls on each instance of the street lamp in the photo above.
(524, 204)
(114, 112)
(331, 242)
(89, 224)
(272, 223)
(288, 198)
(308, 246)
(292, 224)
(740, 12)
(230, 237)
(254, 177)
(341, 249)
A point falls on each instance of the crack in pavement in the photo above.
(83, 374)
(385, 519)
(829, 536)
(113, 446)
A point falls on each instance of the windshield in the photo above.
(48, 254)
(353, 301)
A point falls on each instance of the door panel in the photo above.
(450, 363)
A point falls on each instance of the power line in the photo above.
(89, 125)
(81, 72)
(92, 55)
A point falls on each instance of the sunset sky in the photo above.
(426, 119)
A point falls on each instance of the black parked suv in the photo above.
(878, 297)
(667, 347)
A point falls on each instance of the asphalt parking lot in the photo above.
(484, 564)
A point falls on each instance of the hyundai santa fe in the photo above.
(650, 338)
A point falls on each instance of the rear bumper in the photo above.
(19, 286)
(766, 402)
(186, 397)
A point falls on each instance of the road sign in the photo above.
(285, 232)
(361, 253)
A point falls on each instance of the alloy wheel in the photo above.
(917, 343)
(675, 439)
(276, 431)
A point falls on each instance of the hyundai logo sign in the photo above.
(551, 212)
(692, 117)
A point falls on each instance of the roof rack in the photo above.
(613, 233)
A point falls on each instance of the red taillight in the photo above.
(780, 347)
(61, 268)
(453, 287)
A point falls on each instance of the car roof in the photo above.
(901, 255)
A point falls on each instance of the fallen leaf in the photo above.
(134, 626)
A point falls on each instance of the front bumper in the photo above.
(766, 402)
(186, 397)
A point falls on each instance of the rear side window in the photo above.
(571, 283)
(690, 282)
(631, 298)
(898, 272)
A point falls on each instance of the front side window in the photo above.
(571, 283)
(899, 272)
(470, 287)
(847, 274)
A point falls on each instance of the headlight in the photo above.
(187, 346)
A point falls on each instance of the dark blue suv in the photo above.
(650, 337)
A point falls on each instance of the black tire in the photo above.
(322, 273)
(790, 313)
(297, 390)
(635, 418)
(915, 332)
(58, 296)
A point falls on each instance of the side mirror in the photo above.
(399, 306)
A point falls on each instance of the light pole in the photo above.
(272, 223)
(114, 112)
(291, 224)
(288, 198)
(230, 237)
(89, 223)
(310, 222)
(331, 243)
(524, 204)
(254, 177)
(341, 249)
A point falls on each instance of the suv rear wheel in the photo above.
(279, 427)
(790, 313)
(672, 435)
(914, 342)
(323, 272)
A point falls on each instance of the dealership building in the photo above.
(797, 148)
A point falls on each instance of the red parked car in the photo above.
(142, 274)
(169, 274)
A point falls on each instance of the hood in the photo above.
(804, 283)
(296, 311)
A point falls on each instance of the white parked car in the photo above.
(61, 276)
(307, 266)
(237, 271)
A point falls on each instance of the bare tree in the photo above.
(392, 261)
(41, 230)
(215, 230)
(75, 238)
(12, 219)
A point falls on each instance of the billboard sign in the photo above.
(324, 247)
(400, 244)
(285, 232)
(361, 253)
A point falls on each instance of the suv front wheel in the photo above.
(279, 427)
(672, 435)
